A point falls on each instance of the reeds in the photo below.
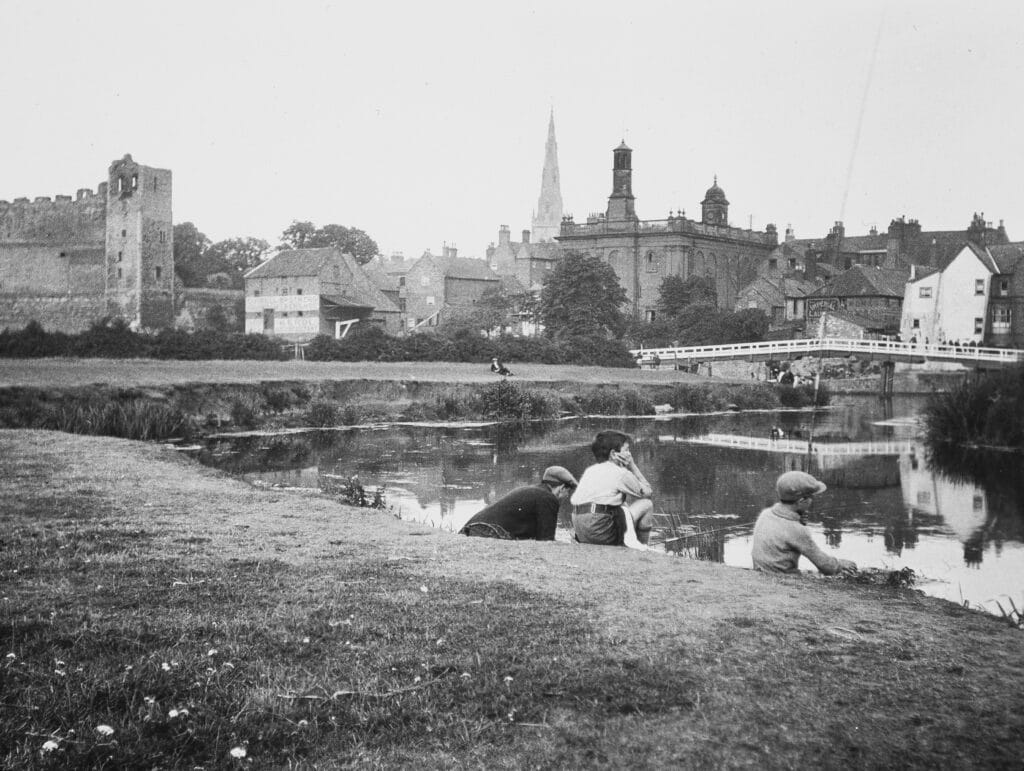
(132, 419)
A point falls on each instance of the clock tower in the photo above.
(621, 203)
(715, 207)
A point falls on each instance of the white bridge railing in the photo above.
(785, 349)
(800, 446)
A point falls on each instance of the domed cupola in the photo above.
(715, 206)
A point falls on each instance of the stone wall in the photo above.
(57, 313)
(194, 306)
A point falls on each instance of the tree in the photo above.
(582, 296)
(238, 254)
(675, 293)
(305, 235)
(189, 250)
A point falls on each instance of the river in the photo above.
(888, 506)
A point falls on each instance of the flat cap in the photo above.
(794, 485)
(560, 475)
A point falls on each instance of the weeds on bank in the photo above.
(126, 417)
(141, 663)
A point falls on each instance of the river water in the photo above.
(888, 506)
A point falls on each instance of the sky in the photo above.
(424, 124)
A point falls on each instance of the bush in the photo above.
(986, 411)
(505, 400)
(607, 401)
(322, 414)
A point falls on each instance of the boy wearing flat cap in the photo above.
(526, 513)
(780, 537)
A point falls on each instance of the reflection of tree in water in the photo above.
(258, 453)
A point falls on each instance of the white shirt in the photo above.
(607, 483)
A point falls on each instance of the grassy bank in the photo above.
(187, 408)
(305, 632)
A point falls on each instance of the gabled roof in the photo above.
(865, 281)
(982, 254)
(864, 322)
(465, 268)
(1007, 256)
(293, 262)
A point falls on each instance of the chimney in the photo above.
(789, 233)
(526, 236)
(504, 236)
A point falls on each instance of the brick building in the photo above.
(870, 298)
(644, 252)
(436, 285)
(67, 262)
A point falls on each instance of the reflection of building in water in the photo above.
(961, 505)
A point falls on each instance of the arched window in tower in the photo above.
(652, 262)
(135, 181)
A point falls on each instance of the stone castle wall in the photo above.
(56, 313)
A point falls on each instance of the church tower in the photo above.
(714, 208)
(621, 203)
(139, 245)
(547, 219)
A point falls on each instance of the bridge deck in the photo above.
(873, 349)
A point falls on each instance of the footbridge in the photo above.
(803, 446)
(887, 350)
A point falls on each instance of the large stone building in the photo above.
(67, 262)
(644, 252)
(438, 287)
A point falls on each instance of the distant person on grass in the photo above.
(526, 513)
(612, 505)
(780, 537)
(498, 368)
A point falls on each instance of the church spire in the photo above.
(547, 219)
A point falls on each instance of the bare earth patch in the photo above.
(137, 584)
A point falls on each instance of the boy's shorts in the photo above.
(606, 527)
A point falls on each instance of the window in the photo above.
(135, 181)
(651, 315)
(979, 326)
(401, 280)
(284, 290)
(424, 280)
(1001, 317)
(124, 233)
(163, 237)
(119, 273)
(284, 314)
(652, 263)
(299, 313)
(978, 504)
(298, 291)
(159, 271)
(773, 263)
(925, 291)
(979, 286)
(255, 292)
(430, 299)
(916, 324)
(1004, 287)
(154, 184)
(924, 497)
(792, 263)
(120, 256)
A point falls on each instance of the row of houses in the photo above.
(929, 286)
(300, 293)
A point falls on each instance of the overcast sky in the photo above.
(425, 123)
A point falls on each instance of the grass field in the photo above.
(156, 613)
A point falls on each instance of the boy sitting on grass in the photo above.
(612, 504)
(780, 537)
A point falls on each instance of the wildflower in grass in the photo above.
(305, 641)
(417, 679)
(211, 652)
(508, 679)
(465, 676)
(150, 700)
(238, 752)
(165, 667)
(424, 589)
(10, 656)
(176, 713)
(303, 723)
(50, 745)
(104, 730)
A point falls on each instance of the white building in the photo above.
(300, 293)
(950, 304)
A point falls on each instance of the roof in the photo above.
(293, 262)
(865, 281)
(465, 268)
(1006, 256)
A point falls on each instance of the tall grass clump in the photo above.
(622, 401)
(321, 414)
(505, 400)
(798, 397)
(987, 411)
(130, 419)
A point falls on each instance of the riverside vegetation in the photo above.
(184, 412)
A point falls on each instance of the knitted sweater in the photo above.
(780, 539)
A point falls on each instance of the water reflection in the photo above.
(891, 503)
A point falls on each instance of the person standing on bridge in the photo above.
(780, 536)
(612, 505)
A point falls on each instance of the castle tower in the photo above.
(714, 208)
(139, 245)
(547, 220)
(621, 203)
